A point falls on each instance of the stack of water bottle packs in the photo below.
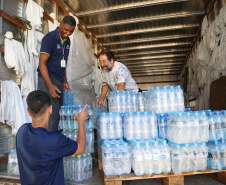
(217, 145)
(77, 168)
(196, 139)
(68, 98)
(13, 168)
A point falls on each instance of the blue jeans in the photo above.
(55, 102)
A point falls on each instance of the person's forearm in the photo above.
(104, 92)
(45, 74)
(81, 138)
(65, 78)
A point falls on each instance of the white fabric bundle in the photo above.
(80, 67)
(34, 13)
(12, 107)
(53, 26)
(14, 55)
(204, 26)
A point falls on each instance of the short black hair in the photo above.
(69, 20)
(38, 102)
(108, 53)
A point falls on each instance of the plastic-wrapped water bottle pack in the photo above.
(217, 125)
(217, 155)
(188, 127)
(78, 167)
(116, 157)
(150, 157)
(110, 126)
(72, 134)
(165, 99)
(123, 101)
(68, 120)
(188, 157)
(68, 98)
(140, 125)
(13, 168)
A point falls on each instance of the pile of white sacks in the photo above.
(208, 63)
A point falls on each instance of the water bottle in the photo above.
(204, 154)
(111, 125)
(79, 166)
(147, 156)
(187, 163)
(90, 141)
(166, 162)
(187, 128)
(176, 159)
(118, 126)
(137, 158)
(165, 100)
(134, 102)
(123, 101)
(141, 103)
(106, 158)
(157, 100)
(179, 123)
(90, 166)
(153, 126)
(145, 125)
(104, 119)
(197, 157)
(213, 134)
(12, 168)
(117, 101)
(218, 123)
(162, 125)
(204, 126)
(73, 168)
(129, 126)
(179, 99)
(196, 127)
(223, 125)
(157, 162)
(172, 99)
(137, 126)
(126, 158)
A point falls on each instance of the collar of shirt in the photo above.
(58, 36)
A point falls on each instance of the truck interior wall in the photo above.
(202, 95)
(145, 83)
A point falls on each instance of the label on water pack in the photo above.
(223, 125)
(165, 156)
(214, 156)
(223, 155)
(213, 127)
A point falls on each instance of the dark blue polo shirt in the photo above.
(40, 155)
(52, 46)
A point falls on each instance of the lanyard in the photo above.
(63, 45)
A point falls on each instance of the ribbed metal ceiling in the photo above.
(149, 36)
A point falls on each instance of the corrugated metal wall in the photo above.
(14, 8)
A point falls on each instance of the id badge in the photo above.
(63, 63)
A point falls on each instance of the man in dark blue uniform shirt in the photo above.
(40, 152)
(52, 64)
